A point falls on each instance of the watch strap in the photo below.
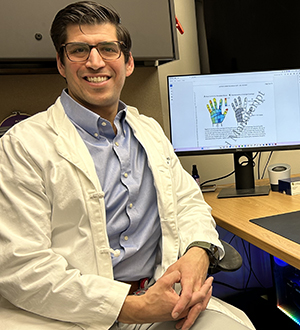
(211, 250)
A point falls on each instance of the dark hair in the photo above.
(87, 12)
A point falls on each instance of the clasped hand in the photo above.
(162, 303)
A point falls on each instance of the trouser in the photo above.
(218, 315)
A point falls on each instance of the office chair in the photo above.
(11, 120)
(231, 262)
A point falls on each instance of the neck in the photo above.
(109, 116)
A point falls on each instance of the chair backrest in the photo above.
(11, 120)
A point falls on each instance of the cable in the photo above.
(233, 236)
(248, 256)
(249, 263)
(256, 154)
(258, 166)
(216, 179)
(251, 270)
(229, 174)
(267, 163)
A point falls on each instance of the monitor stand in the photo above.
(244, 179)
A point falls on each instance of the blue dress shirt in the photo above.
(121, 164)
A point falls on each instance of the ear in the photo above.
(129, 65)
(60, 66)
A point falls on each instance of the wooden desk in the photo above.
(233, 214)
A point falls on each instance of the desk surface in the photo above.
(234, 215)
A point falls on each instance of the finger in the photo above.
(188, 299)
(170, 278)
(184, 300)
(191, 317)
(180, 323)
(220, 104)
(203, 281)
(194, 312)
(240, 101)
(200, 306)
(203, 294)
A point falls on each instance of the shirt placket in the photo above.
(122, 150)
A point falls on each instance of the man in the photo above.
(99, 221)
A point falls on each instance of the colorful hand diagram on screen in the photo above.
(239, 108)
(216, 115)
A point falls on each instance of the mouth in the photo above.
(97, 79)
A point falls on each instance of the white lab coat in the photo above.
(55, 259)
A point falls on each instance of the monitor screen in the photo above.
(235, 112)
(221, 112)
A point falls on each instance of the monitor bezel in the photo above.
(197, 152)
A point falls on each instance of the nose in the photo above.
(95, 60)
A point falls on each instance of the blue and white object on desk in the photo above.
(290, 186)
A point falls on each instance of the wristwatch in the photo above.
(211, 250)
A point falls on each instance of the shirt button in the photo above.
(126, 175)
(96, 134)
(130, 205)
(103, 123)
(117, 144)
(126, 238)
(117, 253)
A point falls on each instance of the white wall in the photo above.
(188, 52)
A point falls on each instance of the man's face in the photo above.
(96, 84)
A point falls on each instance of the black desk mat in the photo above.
(286, 225)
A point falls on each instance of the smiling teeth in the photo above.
(96, 79)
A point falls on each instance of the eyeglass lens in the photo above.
(78, 51)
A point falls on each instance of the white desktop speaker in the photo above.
(278, 172)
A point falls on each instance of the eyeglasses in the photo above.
(80, 51)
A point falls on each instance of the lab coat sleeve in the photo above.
(32, 276)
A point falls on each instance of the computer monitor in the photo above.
(239, 113)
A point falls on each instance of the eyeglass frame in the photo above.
(120, 43)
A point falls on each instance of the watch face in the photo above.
(215, 251)
(214, 255)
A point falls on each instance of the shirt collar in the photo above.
(87, 119)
